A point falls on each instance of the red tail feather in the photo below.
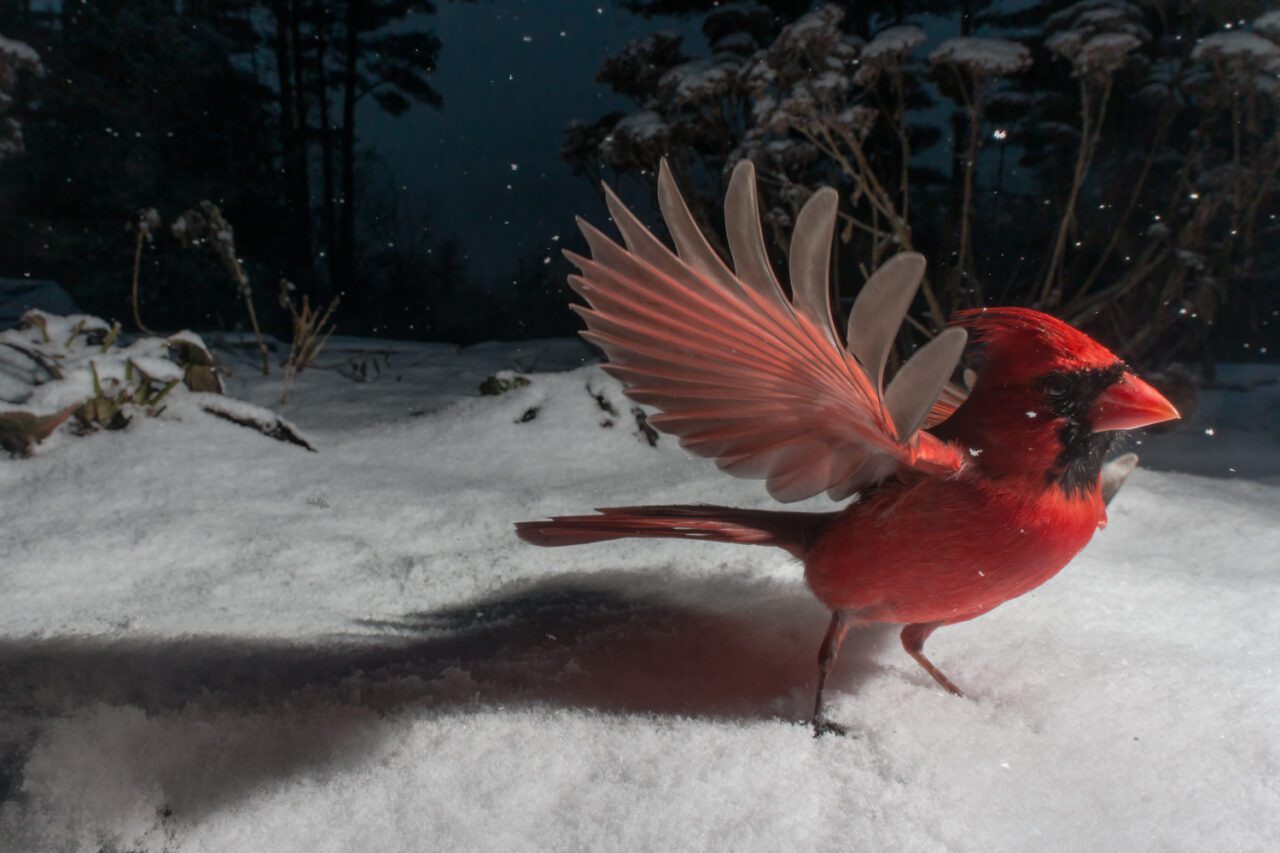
(791, 531)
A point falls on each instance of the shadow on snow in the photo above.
(627, 643)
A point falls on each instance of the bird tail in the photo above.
(791, 531)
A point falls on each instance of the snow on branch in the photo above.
(1096, 37)
(889, 49)
(1242, 59)
(19, 53)
(895, 41)
(1238, 47)
(989, 57)
(638, 138)
(700, 81)
(1268, 24)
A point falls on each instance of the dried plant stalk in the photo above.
(145, 227)
(311, 331)
(205, 224)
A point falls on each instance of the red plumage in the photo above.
(966, 498)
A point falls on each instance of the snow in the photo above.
(1268, 23)
(1106, 53)
(211, 641)
(890, 47)
(858, 119)
(1238, 45)
(645, 126)
(18, 52)
(1096, 36)
(59, 363)
(982, 55)
(701, 80)
(1076, 10)
(894, 42)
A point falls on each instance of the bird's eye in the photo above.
(1056, 386)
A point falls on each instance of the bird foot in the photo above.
(946, 685)
(823, 726)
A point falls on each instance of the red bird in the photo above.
(961, 500)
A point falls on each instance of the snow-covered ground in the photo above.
(213, 641)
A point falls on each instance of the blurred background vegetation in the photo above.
(1112, 162)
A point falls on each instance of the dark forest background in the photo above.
(1116, 168)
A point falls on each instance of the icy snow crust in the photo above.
(209, 641)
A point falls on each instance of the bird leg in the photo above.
(826, 659)
(913, 637)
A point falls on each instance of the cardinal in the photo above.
(958, 498)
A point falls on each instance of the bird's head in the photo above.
(1048, 399)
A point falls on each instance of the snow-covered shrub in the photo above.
(637, 138)
(1096, 36)
(76, 370)
(637, 68)
(982, 57)
(829, 106)
(1245, 59)
(16, 59)
(804, 80)
(888, 50)
(837, 95)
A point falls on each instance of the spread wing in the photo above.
(757, 381)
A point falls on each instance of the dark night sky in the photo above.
(513, 73)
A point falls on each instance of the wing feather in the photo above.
(746, 239)
(879, 310)
(811, 261)
(742, 374)
(914, 391)
(634, 275)
(691, 245)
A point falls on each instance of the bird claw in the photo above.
(826, 727)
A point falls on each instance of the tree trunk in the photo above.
(347, 226)
(292, 154)
(303, 165)
(329, 214)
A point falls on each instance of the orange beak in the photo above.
(1129, 404)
